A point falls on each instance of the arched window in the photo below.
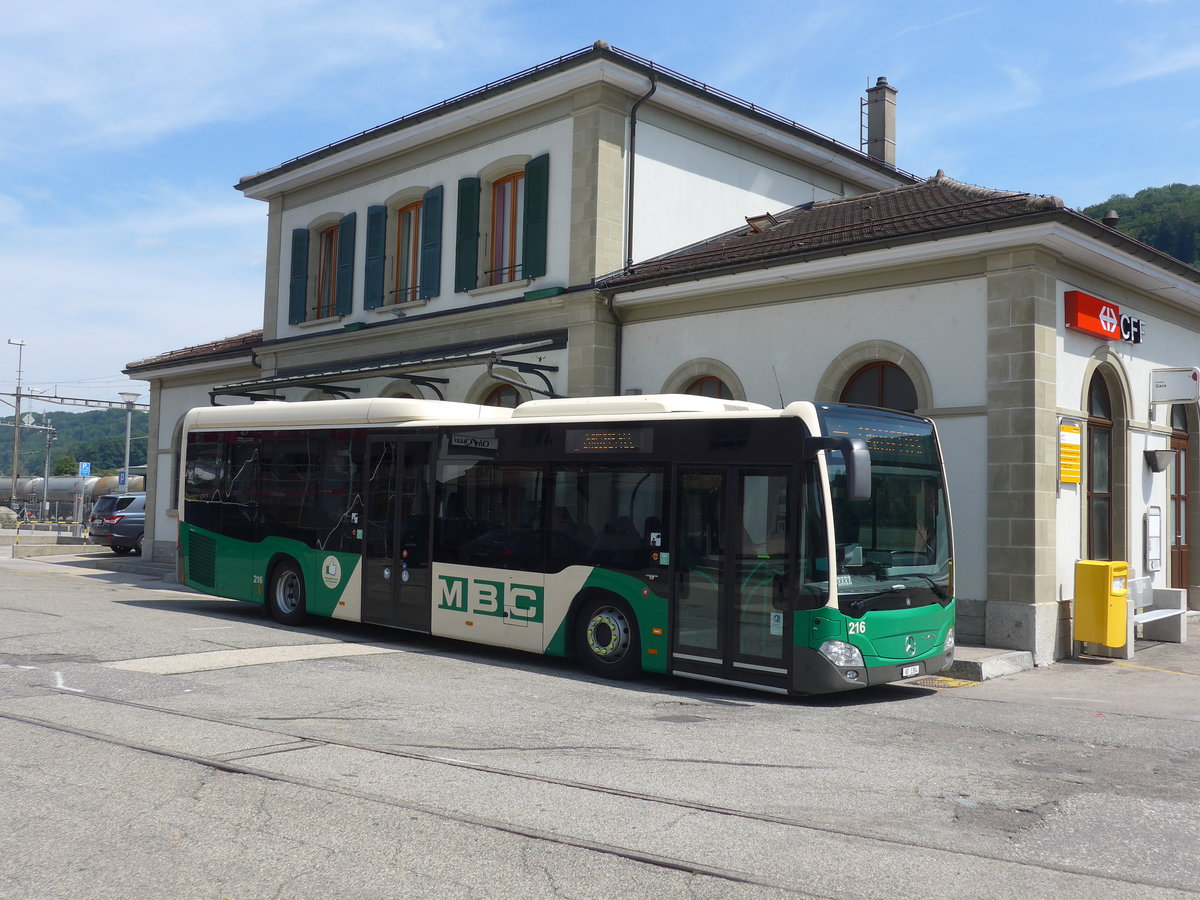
(881, 384)
(502, 395)
(1100, 470)
(709, 386)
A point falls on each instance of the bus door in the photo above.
(396, 535)
(730, 565)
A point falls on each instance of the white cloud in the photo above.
(88, 75)
(1152, 60)
(166, 270)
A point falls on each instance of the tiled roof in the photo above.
(933, 205)
(235, 344)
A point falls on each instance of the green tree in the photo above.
(65, 464)
(94, 430)
(1167, 218)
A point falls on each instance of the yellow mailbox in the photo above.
(1101, 602)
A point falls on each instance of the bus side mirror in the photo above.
(858, 463)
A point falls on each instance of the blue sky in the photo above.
(126, 125)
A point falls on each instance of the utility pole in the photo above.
(50, 435)
(128, 398)
(16, 465)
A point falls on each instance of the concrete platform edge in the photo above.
(984, 663)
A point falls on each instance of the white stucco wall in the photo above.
(688, 189)
(798, 342)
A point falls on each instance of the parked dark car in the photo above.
(118, 521)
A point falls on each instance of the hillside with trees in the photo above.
(1167, 218)
(97, 437)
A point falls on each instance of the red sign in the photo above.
(1093, 316)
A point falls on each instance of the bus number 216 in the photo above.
(857, 627)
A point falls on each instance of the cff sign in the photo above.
(1101, 318)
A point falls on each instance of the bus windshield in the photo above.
(891, 551)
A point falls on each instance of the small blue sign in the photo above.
(121, 478)
(85, 470)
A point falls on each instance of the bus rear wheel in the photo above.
(285, 598)
(606, 638)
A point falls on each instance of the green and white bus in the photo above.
(798, 550)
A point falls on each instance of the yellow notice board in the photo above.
(1070, 441)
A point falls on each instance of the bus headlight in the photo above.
(841, 654)
(949, 646)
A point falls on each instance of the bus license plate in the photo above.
(910, 671)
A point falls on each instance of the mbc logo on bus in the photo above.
(523, 602)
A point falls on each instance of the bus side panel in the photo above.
(239, 570)
(219, 565)
(649, 609)
(332, 580)
(501, 607)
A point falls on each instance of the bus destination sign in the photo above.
(609, 440)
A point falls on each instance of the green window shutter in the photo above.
(298, 288)
(537, 225)
(344, 298)
(466, 243)
(376, 253)
(431, 244)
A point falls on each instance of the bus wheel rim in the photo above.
(608, 634)
(287, 592)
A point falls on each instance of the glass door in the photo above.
(731, 563)
(396, 580)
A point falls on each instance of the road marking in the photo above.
(250, 656)
(1152, 669)
(61, 685)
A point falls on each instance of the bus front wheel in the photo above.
(606, 638)
(285, 599)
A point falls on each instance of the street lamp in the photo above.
(128, 397)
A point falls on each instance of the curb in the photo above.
(984, 663)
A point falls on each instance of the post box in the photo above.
(1101, 602)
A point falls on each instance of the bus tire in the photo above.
(285, 598)
(606, 638)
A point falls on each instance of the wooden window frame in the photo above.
(878, 370)
(325, 297)
(507, 224)
(1100, 425)
(499, 391)
(1180, 532)
(407, 251)
(697, 385)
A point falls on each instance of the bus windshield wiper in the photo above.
(938, 590)
(860, 603)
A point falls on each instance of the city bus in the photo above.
(798, 550)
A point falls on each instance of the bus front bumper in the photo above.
(815, 674)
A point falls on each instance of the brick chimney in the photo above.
(881, 122)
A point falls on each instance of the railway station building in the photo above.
(601, 225)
